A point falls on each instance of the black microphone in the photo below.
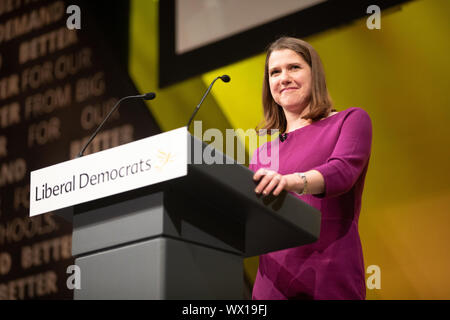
(224, 78)
(147, 96)
(283, 137)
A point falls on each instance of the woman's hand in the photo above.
(270, 180)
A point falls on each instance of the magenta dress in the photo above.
(332, 267)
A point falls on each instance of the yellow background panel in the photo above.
(399, 75)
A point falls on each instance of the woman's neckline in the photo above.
(308, 125)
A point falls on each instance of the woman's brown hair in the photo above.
(320, 105)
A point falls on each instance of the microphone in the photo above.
(283, 137)
(147, 96)
(224, 78)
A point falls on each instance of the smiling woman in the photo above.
(323, 160)
(290, 81)
(290, 59)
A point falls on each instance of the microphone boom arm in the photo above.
(224, 78)
(147, 96)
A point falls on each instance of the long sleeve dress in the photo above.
(333, 267)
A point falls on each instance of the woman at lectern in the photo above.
(323, 160)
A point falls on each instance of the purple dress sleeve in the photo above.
(349, 157)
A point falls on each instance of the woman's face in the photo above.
(289, 80)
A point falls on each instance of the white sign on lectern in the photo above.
(130, 166)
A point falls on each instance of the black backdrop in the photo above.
(56, 85)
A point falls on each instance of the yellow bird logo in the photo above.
(164, 158)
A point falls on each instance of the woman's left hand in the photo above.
(271, 180)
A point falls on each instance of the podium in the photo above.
(182, 238)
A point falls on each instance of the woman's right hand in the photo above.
(272, 181)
